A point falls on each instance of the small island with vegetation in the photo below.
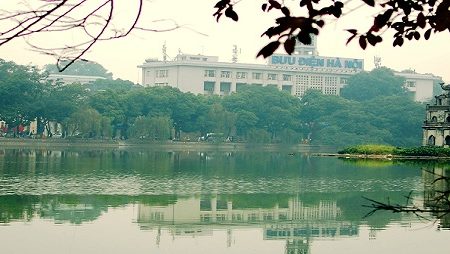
(386, 151)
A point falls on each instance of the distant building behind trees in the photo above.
(295, 74)
(304, 70)
(422, 86)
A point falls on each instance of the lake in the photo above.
(152, 201)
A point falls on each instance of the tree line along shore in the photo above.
(370, 110)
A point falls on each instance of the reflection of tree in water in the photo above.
(75, 209)
(435, 202)
(436, 193)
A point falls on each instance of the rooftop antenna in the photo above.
(164, 51)
(234, 57)
(377, 61)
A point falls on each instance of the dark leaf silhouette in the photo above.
(372, 39)
(362, 42)
(269, 49)
(320, 23)
(229, 12)
(370, 2)
(264, 7)
(421, 20)
(289, 45)
(286, 11)
(304, 38)
(382, 19)
(275, 4)
(398, 41)
(350, 38)
(427, 34)
(222, 4)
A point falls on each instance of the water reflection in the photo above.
(289, 218)
(436, 191)
(297, 200)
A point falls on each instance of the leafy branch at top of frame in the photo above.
(409, 19)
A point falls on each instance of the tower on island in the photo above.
(436, 128)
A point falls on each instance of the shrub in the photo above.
(368, 149)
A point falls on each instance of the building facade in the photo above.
(436, 128)
(421, 85)
(200, 74)
(70, 79)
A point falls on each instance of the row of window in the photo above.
(432, 140)
(244, 75)
(240, 217)
(161, 73)
(303, 79)
(208, 87)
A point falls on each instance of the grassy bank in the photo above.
(426, 151)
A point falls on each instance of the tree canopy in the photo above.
(254, 114)
(82, 68)
(369, 85)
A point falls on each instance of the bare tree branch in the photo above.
(437, 203)
(90, 20)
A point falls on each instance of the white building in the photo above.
(421, 85)
(295, 73)
(70, 79)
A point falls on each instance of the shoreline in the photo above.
(314, 150)
(172, 145)
(381, 156)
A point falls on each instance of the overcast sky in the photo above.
(121, 57)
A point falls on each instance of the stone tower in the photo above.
(436, 128)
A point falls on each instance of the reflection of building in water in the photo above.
(213, 210)
(293, 221)
(435, 188)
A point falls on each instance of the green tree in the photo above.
(152, 127)
(56, 103)
(266, 107)
(221, 121)
(256, 135)
(82, 68)
(20, 87)
(368, 85)
(335, 120)
(111, 104)
(245, 121)
(85, 122)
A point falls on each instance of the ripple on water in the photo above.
(191, 184)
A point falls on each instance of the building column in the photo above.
(229, 210)
(214, 209)
(216, 88)
(233, 87)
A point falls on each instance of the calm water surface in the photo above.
(134, 201)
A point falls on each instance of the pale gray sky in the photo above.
(122, 56)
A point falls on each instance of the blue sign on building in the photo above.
(318, 62)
